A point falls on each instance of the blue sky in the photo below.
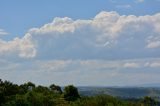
(86, 42)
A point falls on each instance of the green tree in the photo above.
(148, 101)
(2, 98)
(41, 89)
(71, 93)
(55, 88)
(24, 88)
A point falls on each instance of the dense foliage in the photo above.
(29, 94)
(71, 93)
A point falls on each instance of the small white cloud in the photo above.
(131, 65)
(124, 6)
(54, 65)
(153, 41)
(155, 44)
(140, 1)
(113, 1)
(155, 65)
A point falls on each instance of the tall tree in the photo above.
(71, 93)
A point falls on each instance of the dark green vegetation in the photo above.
(29, 94)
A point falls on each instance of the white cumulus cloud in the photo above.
(66, 38)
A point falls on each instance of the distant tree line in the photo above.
(28, 94)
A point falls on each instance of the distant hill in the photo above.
(154, 85)
(124, 92)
